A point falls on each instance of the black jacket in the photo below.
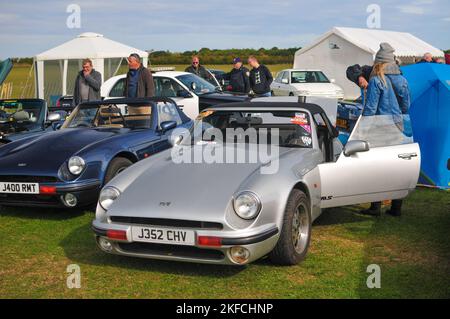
(94, 80)
(239, 80)
(260, 79)
(200, 71)
(145, 85)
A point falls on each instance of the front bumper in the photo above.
(259, 242)
(86, 192)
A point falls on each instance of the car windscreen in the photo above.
(110, 115)
(21, 112)
(282, 128)
(200, 87)
(308, 77)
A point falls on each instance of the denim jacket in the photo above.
(384, 100)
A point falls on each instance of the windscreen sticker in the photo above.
(299, 119)
(307, 128)
(307, 140)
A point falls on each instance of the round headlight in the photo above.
(107, 197)
(247, 205)
(76, 165)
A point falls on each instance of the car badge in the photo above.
(165, 204)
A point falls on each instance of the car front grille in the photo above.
(27, 179)
(178, 223)
(171, 251)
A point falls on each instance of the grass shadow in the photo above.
(42, 213)
(340, 216)
(80, 246)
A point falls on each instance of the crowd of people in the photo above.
(139, 79)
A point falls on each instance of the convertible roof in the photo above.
(312, 108)
(130, 101)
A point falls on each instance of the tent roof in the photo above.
(405, 44)
(89, 45)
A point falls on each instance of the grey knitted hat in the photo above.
(385, 54)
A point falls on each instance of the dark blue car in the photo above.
(68, 167)
(20, 118)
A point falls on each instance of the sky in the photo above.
(28, 27)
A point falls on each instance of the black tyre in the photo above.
(295, 236)
(117, 166)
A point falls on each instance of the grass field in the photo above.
(22, 76)
(413, 252)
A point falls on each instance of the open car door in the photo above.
(379, 162)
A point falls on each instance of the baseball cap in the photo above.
(236, 60)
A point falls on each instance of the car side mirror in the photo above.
(54, 117)
(167, 126)
(193, 86)
(175, 139)
(332, 81)
(285, 81)
(354, 147)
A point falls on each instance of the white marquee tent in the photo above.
(56, 69)
(339, 48)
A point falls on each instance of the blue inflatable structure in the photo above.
(430, 116)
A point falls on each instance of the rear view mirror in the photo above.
(354, 147)
(168, 125)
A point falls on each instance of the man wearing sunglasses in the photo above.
(198, 69)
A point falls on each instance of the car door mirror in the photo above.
(193, 86)
(332, 81)
(54, 117)
(354, 147)
(167, 126)
(285, 81)
(175, 139)
(183, 94)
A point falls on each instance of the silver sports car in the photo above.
(247, 181)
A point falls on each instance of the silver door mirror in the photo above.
(354, 147)
(285, 81)
(175, 139)
(54, 117)
(332, 81)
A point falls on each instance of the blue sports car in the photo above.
(68, 167)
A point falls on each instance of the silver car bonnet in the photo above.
(165, 189)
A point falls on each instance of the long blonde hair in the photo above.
(378, 70)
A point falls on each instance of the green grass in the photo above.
(413, 252)
(21, 73)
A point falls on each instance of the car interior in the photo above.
(129, 116)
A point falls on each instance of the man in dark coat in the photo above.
(198, 69)
(139, 80)
(87, 84)
(239, 77)
(260, 78)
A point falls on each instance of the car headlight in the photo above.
(76, 165)
(107, 197)
(247, 205)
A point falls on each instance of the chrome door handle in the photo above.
(407, 156)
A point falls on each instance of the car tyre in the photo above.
(293, 244)
(117, 166)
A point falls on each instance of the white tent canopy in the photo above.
(339, 48)
(87, 45)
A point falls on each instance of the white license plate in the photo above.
(19, 188)
(163, 235)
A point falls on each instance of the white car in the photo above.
(184, 88)
(301, 82)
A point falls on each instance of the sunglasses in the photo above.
(194, 62)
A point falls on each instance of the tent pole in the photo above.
(64, 79)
